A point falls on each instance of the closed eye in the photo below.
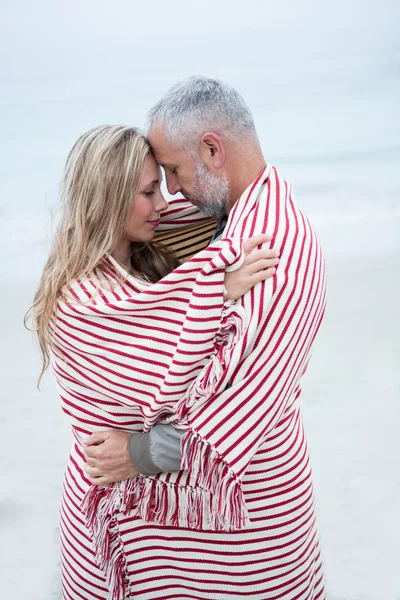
(149, 194)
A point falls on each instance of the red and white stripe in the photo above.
(238, 521)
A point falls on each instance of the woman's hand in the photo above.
(257, 266)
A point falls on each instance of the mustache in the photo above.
(192, 199)
(187, 196)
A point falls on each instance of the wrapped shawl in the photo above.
(128, 355)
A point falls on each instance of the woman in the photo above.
(98, 312)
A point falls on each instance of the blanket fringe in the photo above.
(226, 510)
(216, 503)
(213, 376)
(99, 506)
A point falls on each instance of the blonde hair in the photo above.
(102, 176)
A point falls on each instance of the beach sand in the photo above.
(350, 407)
(351, 410)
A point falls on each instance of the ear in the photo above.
(212, 151)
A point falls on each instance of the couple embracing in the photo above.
(179, 334)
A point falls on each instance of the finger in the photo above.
(92, 471)
(262, 265)
(99, 480)
(263, 275)
(255, 241)
(256, 254)
(92, 452)
(98, 437)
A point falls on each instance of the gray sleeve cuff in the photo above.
(157, 451)
(139, 453)
(165, 447)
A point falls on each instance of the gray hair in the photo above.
(200, 104)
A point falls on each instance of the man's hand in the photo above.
(108, 457)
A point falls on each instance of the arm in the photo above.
(183, 231)
(117, 455)
(180, 213)
(264, 375)
(124, 456)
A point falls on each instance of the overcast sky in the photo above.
(320, 77)
(86, 40)
(67, 65)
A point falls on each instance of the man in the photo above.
(203, 135)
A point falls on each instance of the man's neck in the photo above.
(243, 176)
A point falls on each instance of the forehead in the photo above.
(166, 155)
(151, 171)
(151, 168)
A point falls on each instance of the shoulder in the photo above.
(180, 213)
(106, 284)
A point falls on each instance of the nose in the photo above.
(172, 182)
(161, 203)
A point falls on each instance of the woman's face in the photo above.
(144, 212)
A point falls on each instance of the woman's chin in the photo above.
(145, 238)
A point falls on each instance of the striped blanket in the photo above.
(128, 355)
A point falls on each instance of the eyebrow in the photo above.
(155, 181)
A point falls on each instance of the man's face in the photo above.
(191, 177)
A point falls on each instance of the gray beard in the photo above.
(210, 192)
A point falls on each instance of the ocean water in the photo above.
(329, 123)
